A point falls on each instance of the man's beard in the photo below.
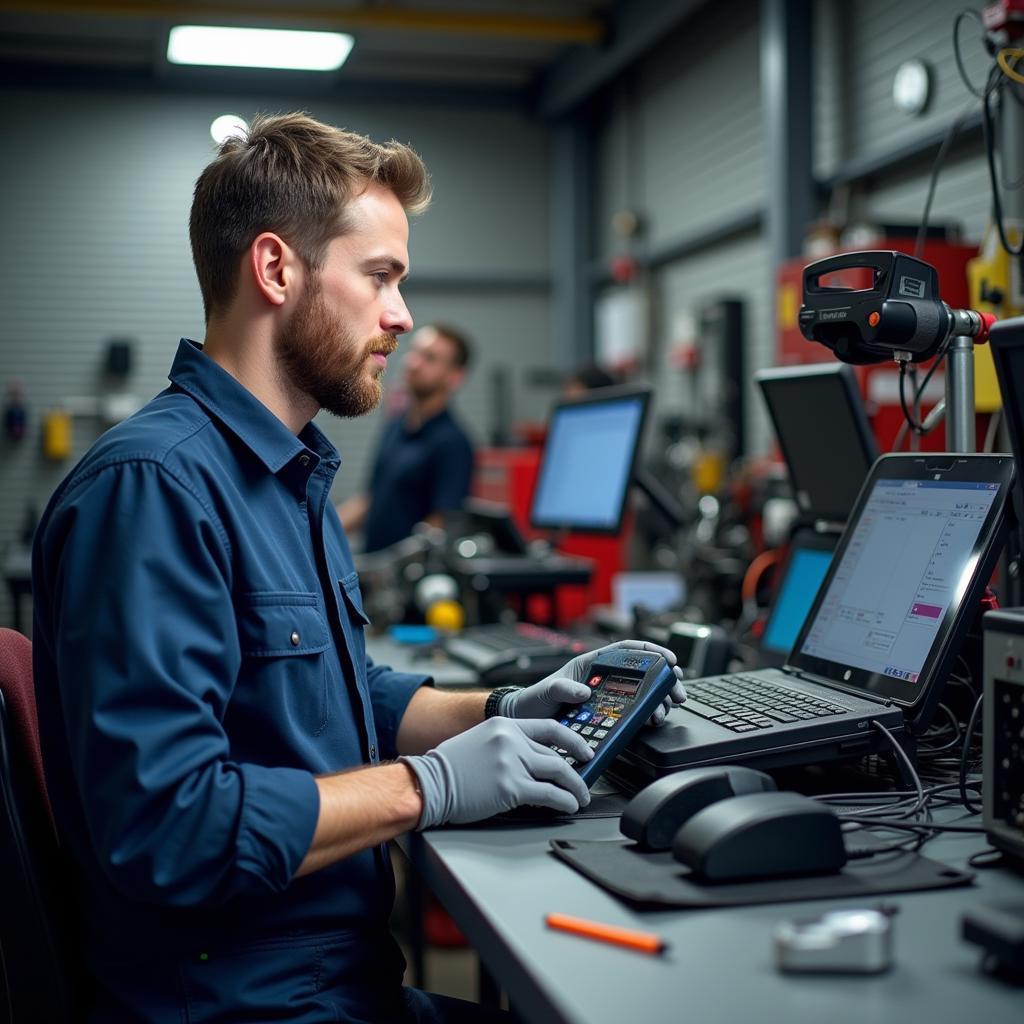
(321, 358)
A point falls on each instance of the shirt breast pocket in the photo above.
(283, 638)
(357, 617)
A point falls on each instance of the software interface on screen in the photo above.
(807, 569)
(909, 558)
(587, 462)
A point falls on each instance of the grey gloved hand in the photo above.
(499, 765)
(567, 686)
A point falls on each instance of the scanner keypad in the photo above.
(596, 719)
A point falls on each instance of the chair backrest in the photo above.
(38, 971)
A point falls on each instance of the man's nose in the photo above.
(397, 319)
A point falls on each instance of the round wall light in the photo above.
(226, 126)
(912, 87)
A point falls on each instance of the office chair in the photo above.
(39, 976)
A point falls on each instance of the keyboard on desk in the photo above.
(519, 650)
(744, 703)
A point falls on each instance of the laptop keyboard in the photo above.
(745, 703)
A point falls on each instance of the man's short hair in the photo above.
(463, 347)
(294, 176)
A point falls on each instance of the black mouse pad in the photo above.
(657, 879)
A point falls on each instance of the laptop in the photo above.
(800, 577)
(824, 435)
(901, 591)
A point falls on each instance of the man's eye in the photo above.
(381, 276)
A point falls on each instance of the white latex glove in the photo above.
(567, 686)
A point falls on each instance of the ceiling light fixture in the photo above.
(258, 48)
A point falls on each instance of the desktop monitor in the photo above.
(588, 461)
(1006, 339)
(824, 435)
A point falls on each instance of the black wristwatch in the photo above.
(494, 699)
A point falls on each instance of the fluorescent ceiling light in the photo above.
(258, 48)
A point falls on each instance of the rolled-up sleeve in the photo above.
(390, 693)
(145, 645)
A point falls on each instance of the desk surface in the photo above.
(409, 658)
(498, 882)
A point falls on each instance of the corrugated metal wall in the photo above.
(682, 143)
(95, 192)
(859, 49)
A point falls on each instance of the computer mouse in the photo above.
(654, 815)
(761, 835)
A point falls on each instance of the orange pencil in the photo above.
(645, 942)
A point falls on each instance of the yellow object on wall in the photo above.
(991, 279)
(57, 434)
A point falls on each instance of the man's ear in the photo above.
(275, 267)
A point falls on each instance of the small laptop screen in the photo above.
(910, 557)
(588, 464)
(806, 570)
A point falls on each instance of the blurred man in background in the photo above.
(424, 458)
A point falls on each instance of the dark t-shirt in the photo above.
(416, 472)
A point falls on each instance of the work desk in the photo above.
(499, 881)
(447, 674)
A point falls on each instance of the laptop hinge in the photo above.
(808, 677)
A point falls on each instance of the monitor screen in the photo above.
(823, 433)
(588, 459)
(1006, 341)
(903, 567)
(799, 587)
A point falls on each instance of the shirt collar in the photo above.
(242, 412)
(438, 417)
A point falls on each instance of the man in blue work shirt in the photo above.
(424, 459)
(222, 757)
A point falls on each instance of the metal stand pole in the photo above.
(915, 408)
(960, 432)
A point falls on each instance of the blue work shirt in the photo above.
(417, 471)
(199, 657)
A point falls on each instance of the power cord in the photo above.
(965, 756)
(906, 810)
(908, 420)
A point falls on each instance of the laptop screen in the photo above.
(910, 569)
(806, 570)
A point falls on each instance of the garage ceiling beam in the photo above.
(636, 27)
(580, 31)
